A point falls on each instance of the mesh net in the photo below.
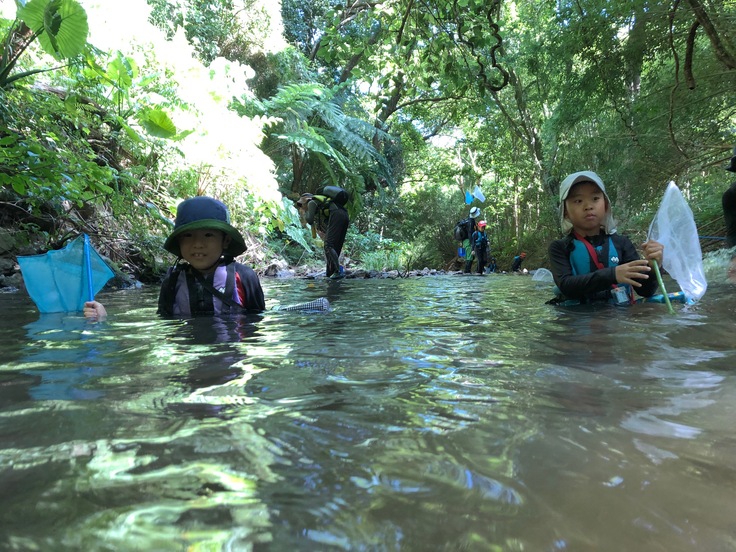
(674, 227)
(63, 279)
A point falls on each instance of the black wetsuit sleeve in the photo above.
(627, 253)
(578, 286)
(254, 300)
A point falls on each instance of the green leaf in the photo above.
(8, 140)
(19, 186)
(120, 73)
(157, 123)
(62, 25)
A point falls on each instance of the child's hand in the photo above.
(94, 310)
(629, 273)
(653, 251)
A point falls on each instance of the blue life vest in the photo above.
(480, 240)
(580, 262)
(580, 257)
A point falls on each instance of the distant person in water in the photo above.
(325, 212)
(516, 265)
(492, 266)
(593, 263)
(479, 241)
(206, 279)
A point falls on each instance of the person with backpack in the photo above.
(479, 241)
(464, 233)
(325, 212)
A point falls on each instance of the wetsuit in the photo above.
(729, 214)
(332, 220)
(186, 292)
(596, 284)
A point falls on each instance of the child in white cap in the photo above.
(593, 263)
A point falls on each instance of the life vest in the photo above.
(191, 297)
(580, 256)
(580, 259)
(480, 240)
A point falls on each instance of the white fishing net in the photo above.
(674, 227)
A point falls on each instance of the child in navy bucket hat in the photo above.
(593, 263)
(206, 279)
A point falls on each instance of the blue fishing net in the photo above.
(63, 279)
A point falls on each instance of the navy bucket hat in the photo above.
(203, 212)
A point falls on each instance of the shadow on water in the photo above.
(445, 413)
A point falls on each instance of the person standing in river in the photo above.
(469, 226)
(206, 279)
(325, 212)
(728, 202)
(593, 263)
(479, 241)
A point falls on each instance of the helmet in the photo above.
(482, 224)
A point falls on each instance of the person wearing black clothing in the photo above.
(330, 220)
(592, 263)
(479, 241)
(729, 206)
(206, 279)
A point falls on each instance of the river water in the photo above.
(441, 413)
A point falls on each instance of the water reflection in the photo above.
(426, 414)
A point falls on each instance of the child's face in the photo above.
(203, 248)
(585, 208)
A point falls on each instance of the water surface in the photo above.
(438, 413)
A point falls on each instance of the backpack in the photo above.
(336, 194)
(462, 230)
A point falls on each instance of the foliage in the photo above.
(409, 105)
(59, 26)
(232, 29)
(316, 142)
(50, 160)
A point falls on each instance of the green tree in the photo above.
(59, 26)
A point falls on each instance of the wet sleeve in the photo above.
(578, 286)
(629, 253)
(251, 286)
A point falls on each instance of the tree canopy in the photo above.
(409, 104)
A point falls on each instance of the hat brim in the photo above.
(235, 247)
